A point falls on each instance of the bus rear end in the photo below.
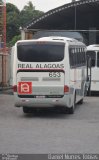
(40, 74)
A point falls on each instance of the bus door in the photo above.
(89, 65)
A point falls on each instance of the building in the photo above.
(79, 16)
(4, 59)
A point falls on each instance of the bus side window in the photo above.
(97, 59)
(71, 57)
(92, 55)
(78, 57)
(75, 57)
(92, 62)
(82, 57)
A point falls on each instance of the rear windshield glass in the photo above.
(35, 52)
(92, 55)
(97, 59)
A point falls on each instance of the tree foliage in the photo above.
(28, 13)
(17, 18)
(0, 1)
(12, 21)
(14, 40)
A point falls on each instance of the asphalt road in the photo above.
(49, 131)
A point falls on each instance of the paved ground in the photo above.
(49, 131)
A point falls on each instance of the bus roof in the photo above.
(93, 47)
(55, 39)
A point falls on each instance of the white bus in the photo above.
(49, 72)
(93, 53)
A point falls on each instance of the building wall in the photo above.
(0, 69)
(7, 73)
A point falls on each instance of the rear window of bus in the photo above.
(35, 52)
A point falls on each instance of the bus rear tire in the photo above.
(71, 109)
(26, 110)
(81, 101)
(29, 110)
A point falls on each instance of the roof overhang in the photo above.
(79, 15)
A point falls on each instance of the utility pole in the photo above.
(4, 83)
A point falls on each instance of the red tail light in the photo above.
(15, 88)
(66, 89)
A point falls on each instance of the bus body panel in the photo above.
(93, 53)
(41, 83)
(95, 79)
(42, 101)
(77, 80)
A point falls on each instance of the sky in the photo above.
(42, 5)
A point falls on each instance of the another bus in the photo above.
(93, 54)
(49, 72)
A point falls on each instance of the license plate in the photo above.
(40, 96)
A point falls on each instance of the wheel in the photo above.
(89, 91)
(81, 101)
(64, 110)
(26, 109)
(71, 109)
(29, 110)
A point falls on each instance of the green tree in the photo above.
(14, 40)
(29, 7)
(16, 18)
(12, 21)
(0, 1)
(29, 13)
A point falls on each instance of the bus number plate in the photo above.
(54, 74)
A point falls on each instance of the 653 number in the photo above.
(54, 74)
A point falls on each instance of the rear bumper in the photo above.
(42, 102)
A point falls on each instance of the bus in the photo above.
(49, 72)
(93, 54)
